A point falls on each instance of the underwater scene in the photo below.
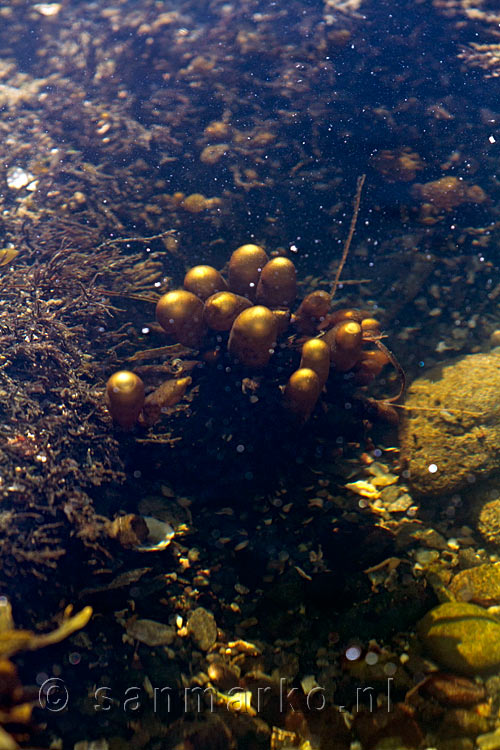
(250, 375)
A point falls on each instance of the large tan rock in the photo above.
(450, 431)
(462, 637)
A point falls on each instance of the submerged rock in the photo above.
(462, 637)
(480, 585)
(488, 521)
(452, 690)
(150, 632)
(450, 430)
(202, 628)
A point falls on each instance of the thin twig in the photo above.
(357, 201)
(119, 240)
(441, 410)
(394, 362)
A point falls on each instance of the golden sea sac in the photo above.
(277, 283)
(302, 392)
(180, 314)
(316, 356)
(245, 266)
(222, 309)
(253, 336)
(204, 281)
(125, 393)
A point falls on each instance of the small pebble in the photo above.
(202, 628)
(426, 556)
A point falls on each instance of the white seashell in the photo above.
(159, 537)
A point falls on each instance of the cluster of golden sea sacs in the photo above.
(254, 305)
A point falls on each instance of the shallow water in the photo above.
(302, 525)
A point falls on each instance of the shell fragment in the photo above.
(365, 489)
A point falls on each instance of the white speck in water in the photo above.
(48, 9)
(17, 178)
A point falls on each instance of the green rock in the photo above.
(488, 522)
(479, 585)
(451, 423)
(202, 628)
(462, 637)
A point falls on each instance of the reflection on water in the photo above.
(231, 234)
